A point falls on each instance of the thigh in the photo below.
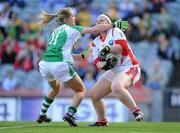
(76, 84)
(101, 88)
(123, 79)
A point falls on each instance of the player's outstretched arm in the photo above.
(103, 27)
(97, 28)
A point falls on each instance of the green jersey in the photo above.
(61, 42)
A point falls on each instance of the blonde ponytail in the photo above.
(45, 18)
(63, 13)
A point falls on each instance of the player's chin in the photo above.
(73, 24)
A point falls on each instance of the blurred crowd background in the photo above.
(153, 33)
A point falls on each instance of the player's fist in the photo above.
(111, 61)
(103, 53)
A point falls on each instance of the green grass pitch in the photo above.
(61, 127)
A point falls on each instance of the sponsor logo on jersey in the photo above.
(111, 42)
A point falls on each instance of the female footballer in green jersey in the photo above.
(57, 61)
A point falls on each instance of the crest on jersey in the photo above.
(111, 42)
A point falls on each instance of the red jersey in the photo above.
(115, 37)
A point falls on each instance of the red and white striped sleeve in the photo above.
(120, 39)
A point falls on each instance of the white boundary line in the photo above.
(13, 127)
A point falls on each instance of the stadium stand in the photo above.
(153, 33)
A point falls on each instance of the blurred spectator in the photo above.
(135, 12)
(132, 32)
(145, 21)
(33, 26)
(9, 55)
(126, 7)
(113, 12)
(158, 30)
(146, 6)
(84, 16)
(72, 3)
(2, 36)
(14, 25)
(165, 19)
(20, 3)
(23, 61)
(4, 15)
(9, 82)
(158, 77)
(157, 4)
(166, 51)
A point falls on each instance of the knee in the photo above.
(81, 90)
(94, 96)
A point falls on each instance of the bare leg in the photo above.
(100, 89)
(55, 85)
(48, 101)
(77, 85)
(119, 87)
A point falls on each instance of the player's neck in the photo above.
(103, 36)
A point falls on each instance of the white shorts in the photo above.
(61, 71)
(134, 71)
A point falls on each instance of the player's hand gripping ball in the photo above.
(103, 53)
(111, 60)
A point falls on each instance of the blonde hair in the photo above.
(63, 13)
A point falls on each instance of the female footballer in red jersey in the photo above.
(117, 79)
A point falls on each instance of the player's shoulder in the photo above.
(68, 27)
(116, 29)
(77, 28)
(116, 32)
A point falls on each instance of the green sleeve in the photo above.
(78, 28)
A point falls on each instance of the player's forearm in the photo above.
(115, 49)
(97, 28)
(102, 27)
